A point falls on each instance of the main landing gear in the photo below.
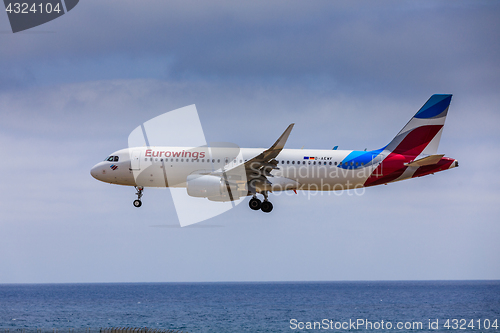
(255, 204)
(138, 202)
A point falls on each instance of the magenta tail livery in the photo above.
(226, 175)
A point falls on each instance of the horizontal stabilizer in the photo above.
(429, 160)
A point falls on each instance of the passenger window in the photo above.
(330, 163)
(303, 162)
(314, 162)
(287, 162)
(335, 163)
(182, 160)
(293, 162)
(218, 161)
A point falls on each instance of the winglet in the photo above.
(280, 143)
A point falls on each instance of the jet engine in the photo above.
(213, 187)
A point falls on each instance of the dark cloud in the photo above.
(393, 46)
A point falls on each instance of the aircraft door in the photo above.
(135, 161)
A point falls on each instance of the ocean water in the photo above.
(254, 307)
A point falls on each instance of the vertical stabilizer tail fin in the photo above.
(422, 133)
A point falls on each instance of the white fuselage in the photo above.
(308, 169)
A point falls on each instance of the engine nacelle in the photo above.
(212, 187)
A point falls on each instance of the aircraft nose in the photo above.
(95, 171)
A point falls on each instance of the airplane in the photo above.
(230, 174)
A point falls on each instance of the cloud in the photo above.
(52, 136)
(347, 74)
(354, 46)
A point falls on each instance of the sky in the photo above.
(347, 73)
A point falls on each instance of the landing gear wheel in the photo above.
(266, 207)
(255, 203)
(138, 202)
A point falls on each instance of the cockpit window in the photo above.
(116, 158)
(111, 159)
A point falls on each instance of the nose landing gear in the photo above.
(138, 202)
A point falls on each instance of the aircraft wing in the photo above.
(259, 168)
(268, 155)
